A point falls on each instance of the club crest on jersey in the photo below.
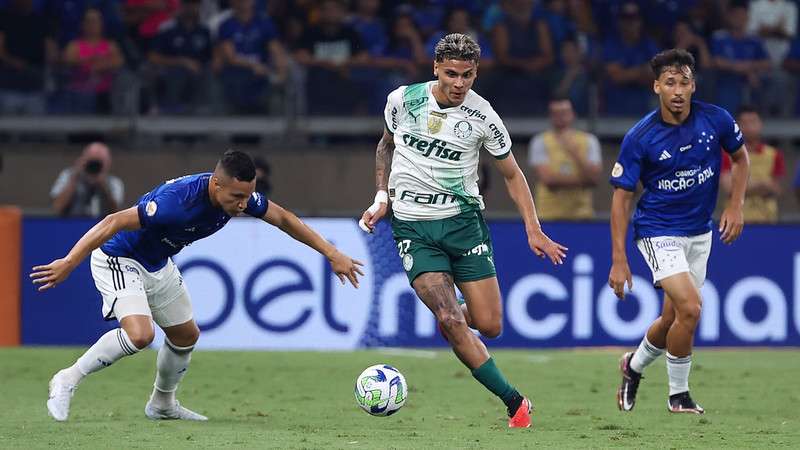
(462, 130)
(151, 208)
(616, 172)
(408, 262)
(435, 120)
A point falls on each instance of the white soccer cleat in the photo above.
(61, 392)
(175, 412)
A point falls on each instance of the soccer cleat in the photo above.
(175, 412)
(522, 418)
(61, 392)
(683, 403)
(626, 394)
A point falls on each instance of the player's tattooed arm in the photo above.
(50, 275)
(383, 164)
(383, 161)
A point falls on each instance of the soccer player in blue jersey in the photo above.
(132, 268)
(675, 153)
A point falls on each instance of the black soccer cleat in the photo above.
(683, 403)
(626, 394)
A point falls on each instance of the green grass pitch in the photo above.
(293, 400)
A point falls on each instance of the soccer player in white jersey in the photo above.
(132, 268)
(426, 165)
(675, 152)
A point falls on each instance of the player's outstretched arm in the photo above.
(518, 189)
(57, 271)
(731, 222)
(343, 266)
(383, 164)
(620, 217)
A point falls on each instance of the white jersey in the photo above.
(434, 171)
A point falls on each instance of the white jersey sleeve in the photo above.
(391, 113)
(496, 138)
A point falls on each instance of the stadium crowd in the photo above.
(342, 57)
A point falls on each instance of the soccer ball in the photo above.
(381, 390)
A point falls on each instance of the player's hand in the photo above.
(731, 224)
(346, 267)
(620, 273)
(51, 274)
(371, 217)
(544, 246)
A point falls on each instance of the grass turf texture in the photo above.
(305, 400)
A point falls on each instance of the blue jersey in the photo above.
(679, 168)
(172, 216)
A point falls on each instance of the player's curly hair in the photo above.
(459, 47)
(238, 165)
(676, 57)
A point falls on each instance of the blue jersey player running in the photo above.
(131, 266)
(675, 153)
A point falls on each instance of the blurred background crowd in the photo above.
(343, 57)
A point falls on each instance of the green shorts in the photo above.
(459, 245)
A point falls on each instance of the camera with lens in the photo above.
(93, 166)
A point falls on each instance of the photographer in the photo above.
(87, 188)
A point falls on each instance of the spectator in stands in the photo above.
(181, 54)
(144, 18)
(573, 77)
(253, 58)
(523, 49)
(629, 83)
(369, 26)
(566, 163)
(555, 14)
(404, 53)
(767, 168)
(792, 66)
(458, 20)
(26, 48)
(87, 188)
(263, 172)
(775, 22)
(797, 185)
(740, 60)
(67, 16)
(685, 37)
(329, 50)
(93, 61)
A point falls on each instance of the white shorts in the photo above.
(128, 288)
(669, 255)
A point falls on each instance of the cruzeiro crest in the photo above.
(462, 129)
(435, 120)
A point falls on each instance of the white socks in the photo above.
(171, 365)
(678, 369)
(110, 348)
(645, 355)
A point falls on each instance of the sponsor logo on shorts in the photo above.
(480, 249)
(408, 262)
(132, 269)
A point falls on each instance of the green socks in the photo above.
(490, 376)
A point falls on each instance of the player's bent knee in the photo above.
(490, 329)
(141, 338)
(689, 314)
